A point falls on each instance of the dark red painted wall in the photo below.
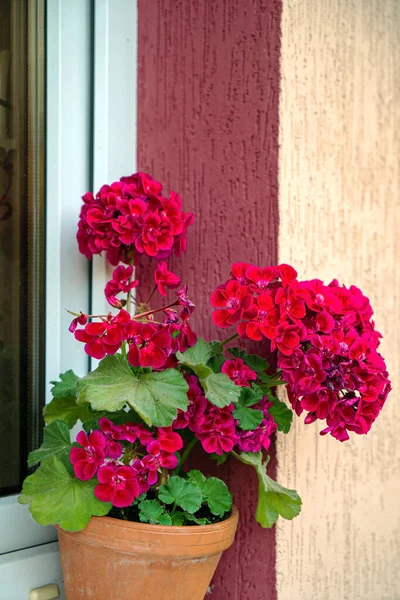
(208, 93)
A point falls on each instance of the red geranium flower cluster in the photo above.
(105, 336)
(125, 458)
(217, 429)
(149, 344)
(213, 426)
(132, 213)
(325, 341)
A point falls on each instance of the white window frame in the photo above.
(115, 112)
(90, 140)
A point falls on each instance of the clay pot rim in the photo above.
(138, 525)
(168, 529)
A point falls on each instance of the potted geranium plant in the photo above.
(133, 520)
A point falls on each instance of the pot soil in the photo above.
(121, 560)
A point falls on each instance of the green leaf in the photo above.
(178, 518)
(151, 511)
(248, 418)
(237, 352)
(282, 414)
(57, 498)
(220, 390)
(248, 396)
(199, 354)
(56, 442)
(185, 494)
(165, 520)
(202, 371)
(197, 520)
(215, 363)
(255, 362)
(67, 385)
(273, 499)
(219, 458)
(217, 496)
(66, 409)
(216, 348)
(270, 382)
(214, 490)
(155, 396)
(197, 477)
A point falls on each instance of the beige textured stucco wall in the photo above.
(340, 216)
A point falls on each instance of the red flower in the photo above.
(261, 319)
(156, 459)
(238, 372)
(104, 337)
(187, 337)
(238, 272)
(165, 279)
(149, 345)
(287, 274)
(320, 404)
(156, 236)
(143, 184)
(123, 277)
(95, 233)
(120, 282)
(169, 440)
(291, 302)
(188, 306)
(180, 243)
(193, 417)
(320, 297)
(118, 485)
(233, 299)
(81, 320)
(87, 460)
(287, 338)
(217, 432)
(260, 279)
(171, 210)
(135, 431)
(111, 433)
(127, 223)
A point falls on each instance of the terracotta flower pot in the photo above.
(119, 560)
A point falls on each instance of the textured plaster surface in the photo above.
(208, 127)
(340, 216)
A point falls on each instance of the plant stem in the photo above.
(151, 295)
(88, 316)
(163, 476)
(151, 312)
(128, 297)
(185, 454)
(229, 339)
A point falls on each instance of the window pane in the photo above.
(21, 235)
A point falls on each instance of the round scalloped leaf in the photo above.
(57, 498)
(154, 396)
